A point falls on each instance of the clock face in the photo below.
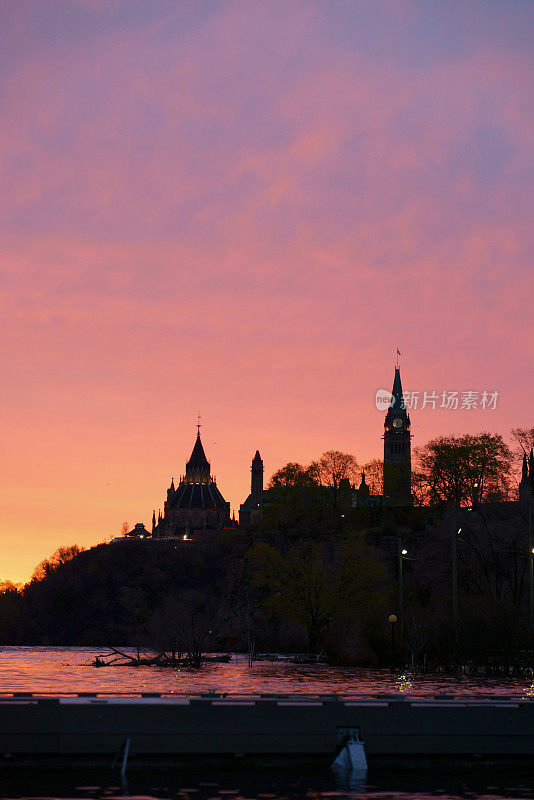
(397, 423)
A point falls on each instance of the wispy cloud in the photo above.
(245, 208)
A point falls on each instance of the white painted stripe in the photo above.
(438, 704)
(297, 703)
(486, 704)
(125, 701)
(233, 703)
(364, 703)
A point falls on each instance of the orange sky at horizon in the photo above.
(243, 210)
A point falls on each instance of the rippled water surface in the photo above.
(67, 669)
(284, 784)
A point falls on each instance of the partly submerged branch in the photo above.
(118, 658)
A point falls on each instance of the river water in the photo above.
(67, 669)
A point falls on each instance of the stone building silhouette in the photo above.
(251, 511)
(195, 504)
(526, 485)
(397, 469)
(397, 449)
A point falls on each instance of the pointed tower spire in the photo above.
(363, 488)
(526, 484)
(397, 448)
(398, 402)
(197, 469)
(153, 520)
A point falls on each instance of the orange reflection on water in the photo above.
(67, 670)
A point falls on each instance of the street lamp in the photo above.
(402, 553)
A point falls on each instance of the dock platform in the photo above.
(173, 726)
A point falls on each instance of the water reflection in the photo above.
(404, 684)
(529, 690)
(38, 669)
(277, 784)
(65, 669)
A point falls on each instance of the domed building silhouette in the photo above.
(195, 504)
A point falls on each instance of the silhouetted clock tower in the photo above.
(397, 448)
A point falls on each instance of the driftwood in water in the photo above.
(118, 658)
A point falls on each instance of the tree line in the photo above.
(317, 576)
(466, 470)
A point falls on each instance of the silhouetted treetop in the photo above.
(465, 469)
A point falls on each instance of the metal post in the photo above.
(392, 622)
(531, 566)
(401, 599)
(125, 758)
(454, 545)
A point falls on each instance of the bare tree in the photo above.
(524, 437)
(374, 476)
(334, 466)
(197, 615)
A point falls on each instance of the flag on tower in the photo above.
(399, 352)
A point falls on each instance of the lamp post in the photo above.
(454, 543)
(402, 552)
(531, 567)
(454, 560)
(392, 622)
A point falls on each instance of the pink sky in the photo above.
(243, 209)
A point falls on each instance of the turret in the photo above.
(256, 489)
(524, 469)
(256, 480)
(363, 489)
(526, 485)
